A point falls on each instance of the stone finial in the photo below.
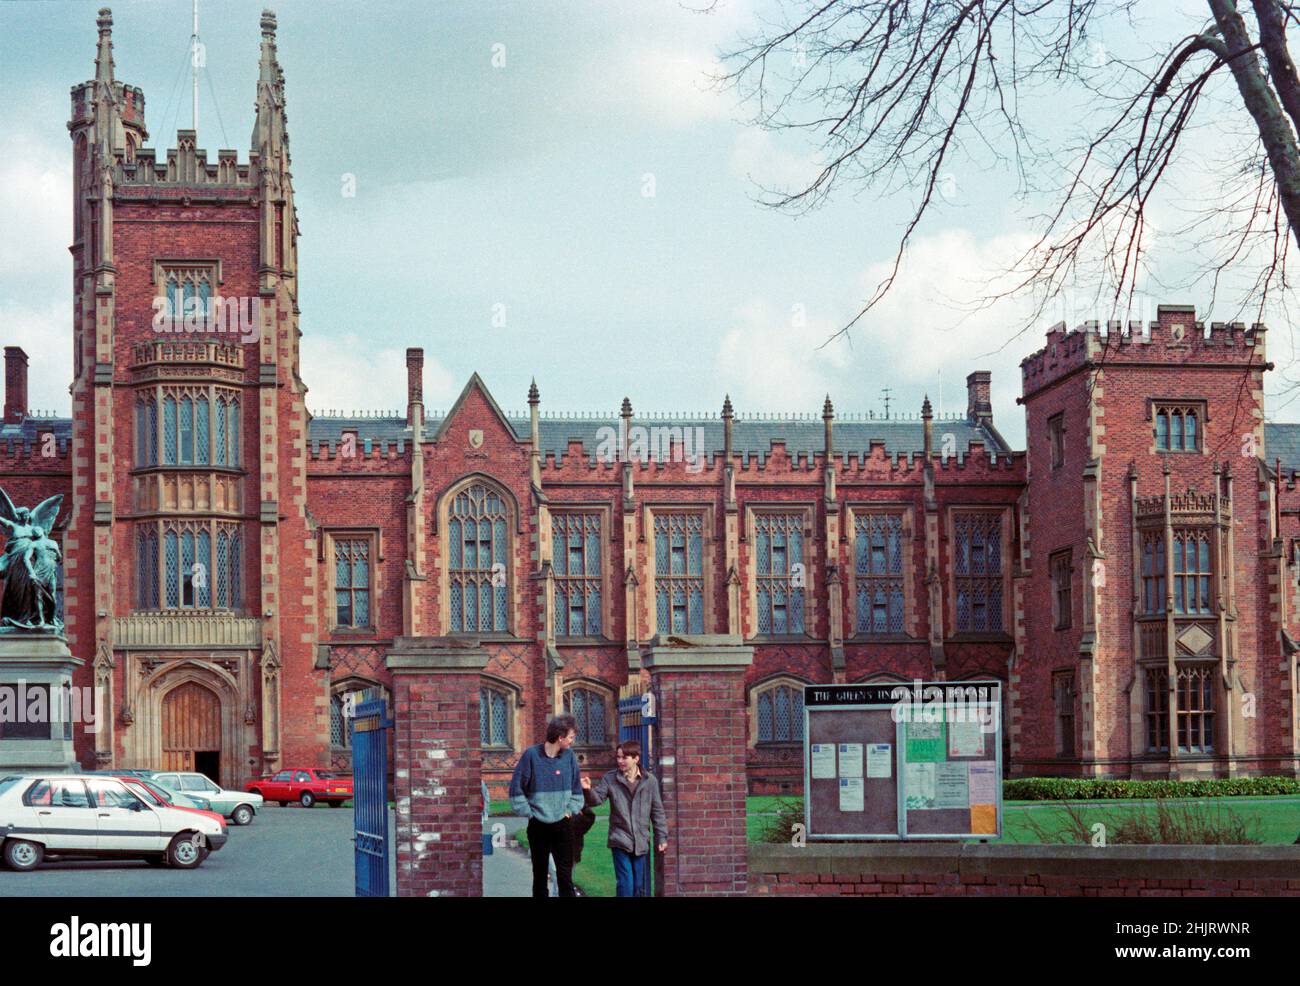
(268, 22)
(727, 411)
(828, 409)
(927, 412)
(627, 408)
(104, 54)
(533, 395)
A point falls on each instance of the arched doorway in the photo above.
(191, 730)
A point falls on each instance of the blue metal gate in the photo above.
(636, 721)
(370, 726)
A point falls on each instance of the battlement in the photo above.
(1174, 338)
(186, 164)
(129, 99)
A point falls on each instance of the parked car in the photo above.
(238, 806)
(154, 795)
(305, 785)
(176, 799)
(70, 815)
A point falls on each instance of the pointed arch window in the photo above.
(590, 708)
(478, 546)
(780, 573)
(779, 713)
(1178, 426)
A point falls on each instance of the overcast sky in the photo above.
(591, 187)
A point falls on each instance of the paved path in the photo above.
(508, 872)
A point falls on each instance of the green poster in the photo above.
(927, 742)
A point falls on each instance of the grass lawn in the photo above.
(1273, 820)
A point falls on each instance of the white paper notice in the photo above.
(919, 784)
(950, 787)
(851, 798)
(984, 783)
(851, 760)
(880, 760)
(965, 735)
(823, 761)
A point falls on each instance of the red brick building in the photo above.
(235, 566)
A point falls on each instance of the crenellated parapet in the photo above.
(1174, 337)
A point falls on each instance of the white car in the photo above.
(84, 815)
(238, 806)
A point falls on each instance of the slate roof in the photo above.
(751, 437)
(1282, 441)
(30, 429)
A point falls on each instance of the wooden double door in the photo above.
(191, 730)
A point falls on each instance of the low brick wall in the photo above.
(954, 869)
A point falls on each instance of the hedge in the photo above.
(1092, 789)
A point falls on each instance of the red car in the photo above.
(305, 785)
(152, 794)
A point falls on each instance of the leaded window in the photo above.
(352, 582)
(978, 571)
(1061, 601)
(188, 291)
(199, 426)
(1191, 575)
(1177, 428)
(493, 717)
(780, 714)
(1063, 695)
(878, 569)
(779, 573)
(1153, 573)
(679, 572)
(1157, 709)
(478, 547)
(575, 549)
(587, 707)
(1196, 709)
(174, 565)
(338, 722)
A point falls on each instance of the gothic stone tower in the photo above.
(190, 585)
(1152, 635)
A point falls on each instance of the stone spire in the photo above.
(104, 55)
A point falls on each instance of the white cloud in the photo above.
(756, 156)
(45, 334)
(345, 373)
(36, 203)
(769, 357)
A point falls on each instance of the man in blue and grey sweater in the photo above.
(547, 790)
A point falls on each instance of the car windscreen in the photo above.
(145, 795)
(8, 782)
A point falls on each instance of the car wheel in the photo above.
(184, 852)
(307, 800)
(23, 855)
(242, 815)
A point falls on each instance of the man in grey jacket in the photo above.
(634, 804)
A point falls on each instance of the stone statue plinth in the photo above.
(41, 710)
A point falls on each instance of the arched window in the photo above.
(494, 714)
(340, 734)
(780, 713)
(478, 548)
(589, 708)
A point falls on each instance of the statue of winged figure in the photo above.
(29, 566)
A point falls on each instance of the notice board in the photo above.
(915, 761)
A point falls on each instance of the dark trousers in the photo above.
(544, 841)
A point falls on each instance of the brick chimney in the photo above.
(979, 408)
(15, 384)
(414, 386)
